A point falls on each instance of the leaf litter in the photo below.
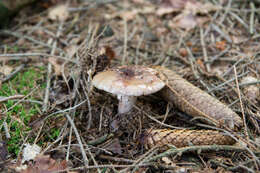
(84, 47)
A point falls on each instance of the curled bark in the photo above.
(184, 138)
(195, 102)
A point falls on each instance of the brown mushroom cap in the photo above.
(129, 80)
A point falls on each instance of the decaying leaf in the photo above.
(170, 6)
(184, 138)
(195, 102)
(30, 152)
(6, 70)
(59, 13)
(188, 18)
(56, 64)
(45, 164)
(192, 6)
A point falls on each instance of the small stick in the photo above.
(84, 155)
(20, 56)
(47, 90)
(18, 35)
(239, 19)
(252, 17)
(125, 42)
(205, 55)
(175, 151)
(3, 99)
(241, 104)
(225, 36)
(161, 123)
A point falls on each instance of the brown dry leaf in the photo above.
(195, 102)
(114, 146)
(184, 138)
(59, 13)
(170, 6)
(189, 6)
(57, 65)
(238, 39)
(129, 15)
(71, 50)
(221, 45)
(183, 52)
(188, 19)
(201, 64)
(199, 8)
(45, 164)
(183, 21)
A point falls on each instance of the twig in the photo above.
(239, 19)
(154, 119)
(19, 56)
(225, 36)
(241, 104)
(205, 55)
(84, 155)
(175, 151)
(48, 82)
(125, 42)
(3, 99)
(252, 18)
(18, 35)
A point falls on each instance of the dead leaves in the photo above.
(59, 13)
(45, 164)
(188, 10)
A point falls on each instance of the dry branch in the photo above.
(195, 102)
(184, 138)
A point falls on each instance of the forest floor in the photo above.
(49, 55)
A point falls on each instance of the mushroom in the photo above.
(128, 82)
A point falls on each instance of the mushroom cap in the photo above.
(129, 80)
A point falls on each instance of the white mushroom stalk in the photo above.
(126, 103)
(128, 82)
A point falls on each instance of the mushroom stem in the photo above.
(126, 103)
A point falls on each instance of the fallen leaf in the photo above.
(201, 64)
(221, 45)
(30, 152)
(56, 64)
(59, 13)
(196, 7)
(6, 70)
(170, 6)
(114, 146)
(45, 164)
(183, 21)
(183, 52)
(71, 50)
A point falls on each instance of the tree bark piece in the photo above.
(196, 102)
(184, 138)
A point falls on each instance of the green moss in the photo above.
(19, 115)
